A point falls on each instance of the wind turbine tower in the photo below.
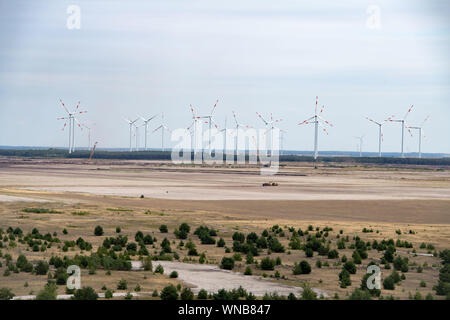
(271, 126)
(71, 119)
(238, 126)
(380, 132)
(361, 140)
(210, 122)
(162, 127)
(131, 123)
(403, 122)
(421, 132)
(318, 121)
(146, 121)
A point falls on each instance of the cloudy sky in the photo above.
(362, 58)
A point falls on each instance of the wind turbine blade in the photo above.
(214, 107)
(235, 120)
(215, 124)
(262, 119)
(325, 121)
(64, 106)
(321, 110)
(192, 110)
(78, 123)
(390, 119)
(305, 121)
(158, 128)
(78, 105)
(426, 119)
(408, 112)
(371, 120)
(323, 128)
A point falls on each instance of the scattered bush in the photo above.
(98, 231)
(122, 285)
(48, 293)
(85, 293)
(6, 294)
(267, 264)
(202, 294)
(187, 294)
(227, 263)
(169, 293)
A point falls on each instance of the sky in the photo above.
(129, 58)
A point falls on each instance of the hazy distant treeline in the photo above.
(166, 155)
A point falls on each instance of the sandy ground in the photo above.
(212, 278)
(207, 184)
(6, 198)
(348, 198)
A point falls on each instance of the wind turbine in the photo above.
(89, 135)
(71, 118)
(162, 127)
(131, 123)
(238, 125)
(380, 131)
(361, 139)
(403, 122)
(210, 122)
(420, 128)
(193, 125)
(146, 121)
(271, 126)
(318, 121)
(136, 133)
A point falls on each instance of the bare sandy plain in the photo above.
(344, 197)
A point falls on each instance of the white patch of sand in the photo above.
(7, 198)
(212, 278)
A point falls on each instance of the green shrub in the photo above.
(221, 243)
(122, 285)
(227, 263)
(174, 274)
(98, 231)
(42, 268)
(344, 278)
(308, 293)
(267, 264)
(389, 283)
(359, 294)
(6, 294)
(163, 228)
(147, 264)
(169, 293)
(159, 269)
(202, 294)
(187, 294)
(248, 271)
(350, 267)
(48, 293)
(85, 293)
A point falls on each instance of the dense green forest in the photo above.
(166, 155)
